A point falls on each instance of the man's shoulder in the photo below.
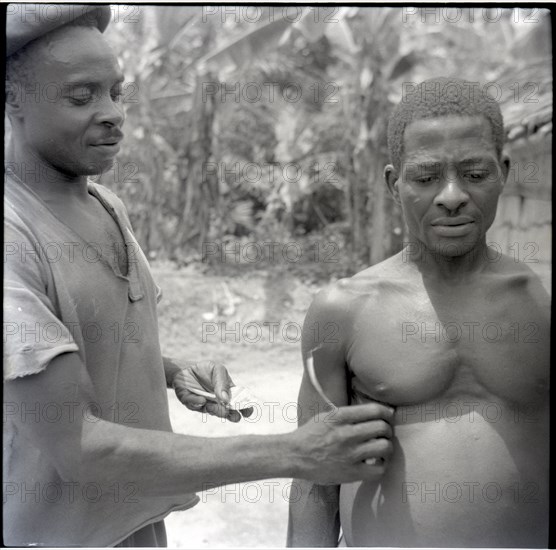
(17, 220)
(365, 286)
(518, 282)
(513, 270)
(18, 201)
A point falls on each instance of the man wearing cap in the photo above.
(89, 454)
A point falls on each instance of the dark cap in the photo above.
(27, 22)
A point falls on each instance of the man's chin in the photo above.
(98, 168)
(452, 248)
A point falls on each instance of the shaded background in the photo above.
(248, 125)
(269, 123)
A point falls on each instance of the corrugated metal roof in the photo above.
(527, 104)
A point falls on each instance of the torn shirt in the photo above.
(61, 294)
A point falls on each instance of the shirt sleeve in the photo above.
(33, 332)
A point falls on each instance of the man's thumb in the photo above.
(222, 383)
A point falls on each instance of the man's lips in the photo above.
(112, 139)
(109, 147)
(107, 142)
(450, 222)
(459, 226)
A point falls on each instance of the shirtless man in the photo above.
(452, 334)
(89, 454)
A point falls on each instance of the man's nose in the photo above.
(110, 112)
(451, 196)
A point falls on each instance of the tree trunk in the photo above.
(200, 189)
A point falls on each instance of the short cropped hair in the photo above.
(438, 97)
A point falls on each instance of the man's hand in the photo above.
(209, 377)
(335, 447)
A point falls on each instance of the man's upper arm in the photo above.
(49, 408)
(33, 333)
(314, 515)
(45, 381)
(324, 338)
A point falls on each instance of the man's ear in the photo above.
(505, 163)
(14, 105)
(391, 178)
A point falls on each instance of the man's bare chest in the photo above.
(422, 348)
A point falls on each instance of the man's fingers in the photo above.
(363, 431)
(190, 378)
(200, 404)
(377, 448)
(217, 409)
(197, 407)
(190, 399)
(246, 413)
(221, 382)
(362, 413)
(372, 470)
(234, 416)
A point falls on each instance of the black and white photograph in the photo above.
(277, 275)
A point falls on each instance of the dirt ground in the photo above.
(252, 324)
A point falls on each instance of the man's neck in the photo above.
(450, 269)
(43, 178)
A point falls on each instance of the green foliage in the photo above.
(210, 168)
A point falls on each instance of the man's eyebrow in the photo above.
(476, 160)
(88, 82)
(432, 165)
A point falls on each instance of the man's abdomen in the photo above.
(458, 476)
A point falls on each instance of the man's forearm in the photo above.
(158, 463)
(314, 519)
(161, 463)
(167, 464)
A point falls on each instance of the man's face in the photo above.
(449, 182)
(72, 120)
